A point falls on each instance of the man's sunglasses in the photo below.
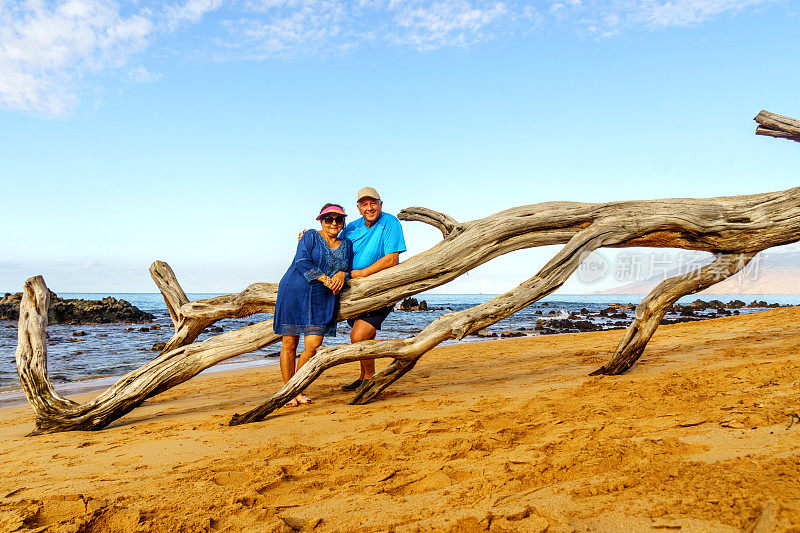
(327, 219)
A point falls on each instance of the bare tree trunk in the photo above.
(450, 326)
(653, 308)
(54, 413)
(191, 318)
(380, 381)
(733, 227)
(774, 125)
(681, 223)
(31, 353)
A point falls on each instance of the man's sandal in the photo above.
(352, 386)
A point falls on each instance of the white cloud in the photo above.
(444, 23)
(53, 51)
(688, 12)
(281, 27)
(190, 12)
(272, 28)
(47, 47)
(140, 74)
(608, 18)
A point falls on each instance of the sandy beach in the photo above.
(509, 435)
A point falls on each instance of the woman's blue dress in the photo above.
(305, 306)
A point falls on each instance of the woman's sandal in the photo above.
(303, 399)
(292, 403)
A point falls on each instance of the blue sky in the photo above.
(207, 133)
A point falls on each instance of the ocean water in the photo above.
(107, 351)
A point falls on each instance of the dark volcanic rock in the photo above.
(679, 320)
(566, 325)
(718, 307)
(411, 304)
(622, 306)
(700, 305)
(495, 335)
(612, 312)
(65, 311)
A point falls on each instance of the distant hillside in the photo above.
(777, 273)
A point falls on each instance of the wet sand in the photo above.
(509, 435)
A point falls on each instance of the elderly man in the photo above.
(377, 244)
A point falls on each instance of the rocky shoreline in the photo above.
(78, 311)
(616, 316)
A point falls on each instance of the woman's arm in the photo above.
(304, 261)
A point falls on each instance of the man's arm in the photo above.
(388, 260)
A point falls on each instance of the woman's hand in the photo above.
(336, 282)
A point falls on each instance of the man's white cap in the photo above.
(367, 192)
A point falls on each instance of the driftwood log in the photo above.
(733, 228)
(773, 125)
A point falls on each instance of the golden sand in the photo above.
(509, 435)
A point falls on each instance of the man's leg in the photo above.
(364, 331)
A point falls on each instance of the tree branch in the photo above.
(774, 125)
(450, 326)
(442, 222)
(31, 353)
(737, 224)
(653, 308)
(380, 381)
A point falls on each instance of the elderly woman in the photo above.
(307, 301)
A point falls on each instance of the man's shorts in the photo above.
(374, 318)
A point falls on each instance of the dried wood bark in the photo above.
(450, 326)
(652, 309)
(733, 227)
(774, 125)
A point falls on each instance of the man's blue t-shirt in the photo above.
(370, 244)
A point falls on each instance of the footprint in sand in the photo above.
(230, 478)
